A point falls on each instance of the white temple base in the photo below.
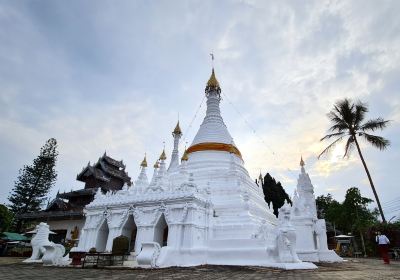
(227, 256)
(329, 256)
(32, 261)
(292, 266)
(308, 256)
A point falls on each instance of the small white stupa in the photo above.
(311, 231)
(203, 210)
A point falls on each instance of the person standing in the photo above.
(383, 243)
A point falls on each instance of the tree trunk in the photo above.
(363, 243)
(370, 180)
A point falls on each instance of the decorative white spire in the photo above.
(142, 181)
(162, 171)
(183, 168)
(177, 134)
(155, 172)
(213, 128)
(304, 199)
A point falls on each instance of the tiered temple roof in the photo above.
(107, 174)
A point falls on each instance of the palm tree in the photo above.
(347, 119)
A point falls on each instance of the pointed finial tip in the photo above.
(302, 162)
(177, 130)
(163, 156)
(213, 82)
(185, 156)
(144, 161)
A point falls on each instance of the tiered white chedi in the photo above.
(204, 210)
(311, 231)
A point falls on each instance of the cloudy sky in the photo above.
(114, 75)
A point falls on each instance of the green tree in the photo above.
(274, 193)
(6, 218)
(323, 203)
(358, 216)
(329, 209)
(348, 123)
(34, 182)
(350, 215)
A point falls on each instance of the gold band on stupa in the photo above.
(214, 147)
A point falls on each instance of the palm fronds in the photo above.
(349, 146)
(376, 141)
(374, 124)
(330, 147)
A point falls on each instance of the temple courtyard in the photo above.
(12, 268)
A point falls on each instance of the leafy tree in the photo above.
(329, 209)
(34, 182)
(347, 119)
(359, 217)
(6, 218)
(352, 215)
(323, 203)
(274, 193)
(355, 207)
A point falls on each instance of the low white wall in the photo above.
(67, 225)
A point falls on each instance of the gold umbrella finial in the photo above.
(144, 162)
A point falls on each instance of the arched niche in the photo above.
(102, 236)
(161, 231)
(129, 230)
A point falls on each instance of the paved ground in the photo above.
(12, 268)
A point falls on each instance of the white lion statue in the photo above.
(44, 250)
(286, 236)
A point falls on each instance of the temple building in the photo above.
(202, 209)
(64, 214)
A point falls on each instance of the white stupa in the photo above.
(203, 210)
(311, 231)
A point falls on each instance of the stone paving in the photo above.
(12, 268)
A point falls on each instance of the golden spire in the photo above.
(213, 82)
(185, 156)
(156, 165)
(163, 156)
(302, 162)
(177, 130)
(144, 162)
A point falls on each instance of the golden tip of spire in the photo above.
(302, 162)
(144, 162)
(163, 156)
(156, 165)
(212, 82)
(185, 156)
(177, 129)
